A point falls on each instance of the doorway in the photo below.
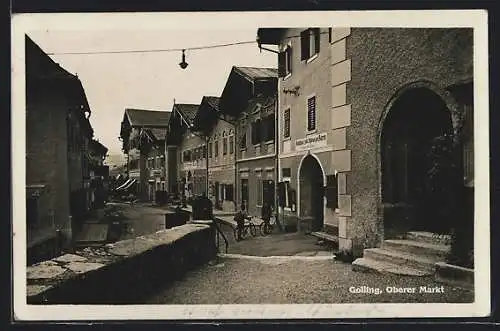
(312, 192)
(418, 123)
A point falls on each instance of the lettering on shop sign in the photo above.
(313, 141)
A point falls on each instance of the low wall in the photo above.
(124, 272)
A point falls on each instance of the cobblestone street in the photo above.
(293, 280)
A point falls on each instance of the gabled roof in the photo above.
(212, 101)
(157, 133)
(187, 111)
(147, 118)
(253, 73)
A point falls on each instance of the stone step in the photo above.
(368, 265)
(417, 248)
(428, 237)
(325, 236)
(401, 259)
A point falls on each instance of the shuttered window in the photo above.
(286, 124)
(311, 114)
(309, 42)
(285, 62)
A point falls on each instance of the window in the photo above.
(204, 151)
(260, 190)
(224, 146)
(216, 148)
(210, 149)
(268, 128)
(256, 132)
(286, 172)
(243, 142)
(332, 191)
(286, 124)
(231, 144)
(311, 114)
(285, 62)
(330, 35)
(229, 192)
(309, 42)
(244, 191)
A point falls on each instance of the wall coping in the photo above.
(47, 275)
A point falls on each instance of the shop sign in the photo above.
(311, 142)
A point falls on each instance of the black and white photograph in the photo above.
(225, 165)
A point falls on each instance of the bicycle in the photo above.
(267, 227)
(248, 227)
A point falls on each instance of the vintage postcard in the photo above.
(251, 165)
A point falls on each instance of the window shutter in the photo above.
(289, 59)
(311, 113)
(281, 194)
(317, 39)
(332, 191)
(286, 125)
(282, 64)
(304, 45)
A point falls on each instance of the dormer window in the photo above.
(309, 42)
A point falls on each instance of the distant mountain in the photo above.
(115, 160)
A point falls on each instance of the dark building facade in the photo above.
(249, 100)
(142, 134)
(57, 162)
(361, 123)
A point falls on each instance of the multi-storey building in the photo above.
(221, 153)
(249, 100)
(99, 174)
(186, 152)
(359, 121)
(58, 132)
(142, 134)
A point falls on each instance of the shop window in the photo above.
(260, 190)
(244, 191)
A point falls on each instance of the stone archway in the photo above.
(311, 192)
(417, 120)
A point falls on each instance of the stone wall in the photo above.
(123, 272)
(392, 60)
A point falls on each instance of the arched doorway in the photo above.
(311, 192)
(417, 121)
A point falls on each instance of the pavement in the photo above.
(292, 280)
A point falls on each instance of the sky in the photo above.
(113, 82)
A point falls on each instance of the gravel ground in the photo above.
(279, 281)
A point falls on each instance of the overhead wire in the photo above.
(169, 49)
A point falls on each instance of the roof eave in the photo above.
(269, 36)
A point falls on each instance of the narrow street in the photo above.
(277, 280)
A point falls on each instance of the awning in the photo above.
(129, 185)
(124, 184)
